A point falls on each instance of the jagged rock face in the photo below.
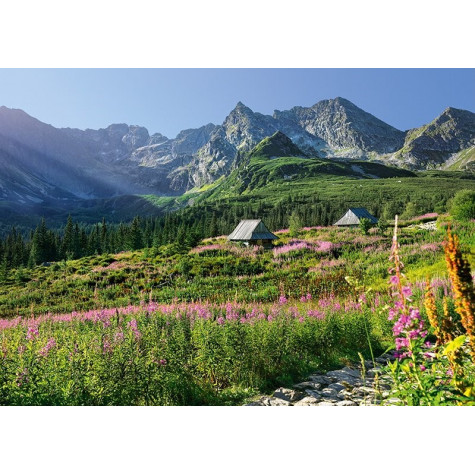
(305, 141)
(433, 144)
(214, 159)
(342, 125)
(187, 142)
(245, 128)
(136, 137)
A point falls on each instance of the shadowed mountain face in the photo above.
(42, 164)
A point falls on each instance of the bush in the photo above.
(365, 225)
(463, 205)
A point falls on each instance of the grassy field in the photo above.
(213, 325)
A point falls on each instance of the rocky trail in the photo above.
(349, 386)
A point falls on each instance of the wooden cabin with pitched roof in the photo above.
(253, 232)
(353, 216)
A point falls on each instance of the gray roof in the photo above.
(251, 230)
(353, 215)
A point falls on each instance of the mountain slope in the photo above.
(277, 145)
(276, 161)
(432, 145)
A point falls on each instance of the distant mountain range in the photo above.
(42, 165)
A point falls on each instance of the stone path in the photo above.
(342, 387)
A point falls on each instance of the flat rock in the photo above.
(348, 375)
(345, 394)
(269, 401)
(308, 385)
(288, 394)
(346, 403)
(314, 394)
(329, 393)
(307, 401)
(393, 400)
(372, 372)
(337, 387)
(325, 380)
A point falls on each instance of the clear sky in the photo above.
(169, 100)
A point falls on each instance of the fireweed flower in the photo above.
(409, 325)
(46, 349)
(32, 332)
(106, 347)
(282, 300)
(394, 280)
(406, 291)
(220, 321)
(119, 337)
(133, 326)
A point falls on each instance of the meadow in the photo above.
(216, 324)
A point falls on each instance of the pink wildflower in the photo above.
(133, 326)
(406, 291)
(46, 349)
(32, 332)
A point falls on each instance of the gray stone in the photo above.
(307, 401)
(314, 394)
(327, 403)
(372, 372)
(337, 387)
(365, 390)
(346, 403)
(324, 380)
(393, 400)
(269, 401)
(345, 394)
(308, 385)
(329, 393)
(349, 375)
(288, 394)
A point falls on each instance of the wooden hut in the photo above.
(353, 216)
(252, 232)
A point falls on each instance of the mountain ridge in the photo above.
(45, 162)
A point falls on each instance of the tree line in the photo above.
(184, 228)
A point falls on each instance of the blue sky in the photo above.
(169, 100)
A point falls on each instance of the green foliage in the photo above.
(365, 225)
(382, 226)
(463, 205)
(295, 224)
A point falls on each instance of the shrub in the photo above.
(463, 205)
(365, 225)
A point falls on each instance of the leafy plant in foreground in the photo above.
(426, 373)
